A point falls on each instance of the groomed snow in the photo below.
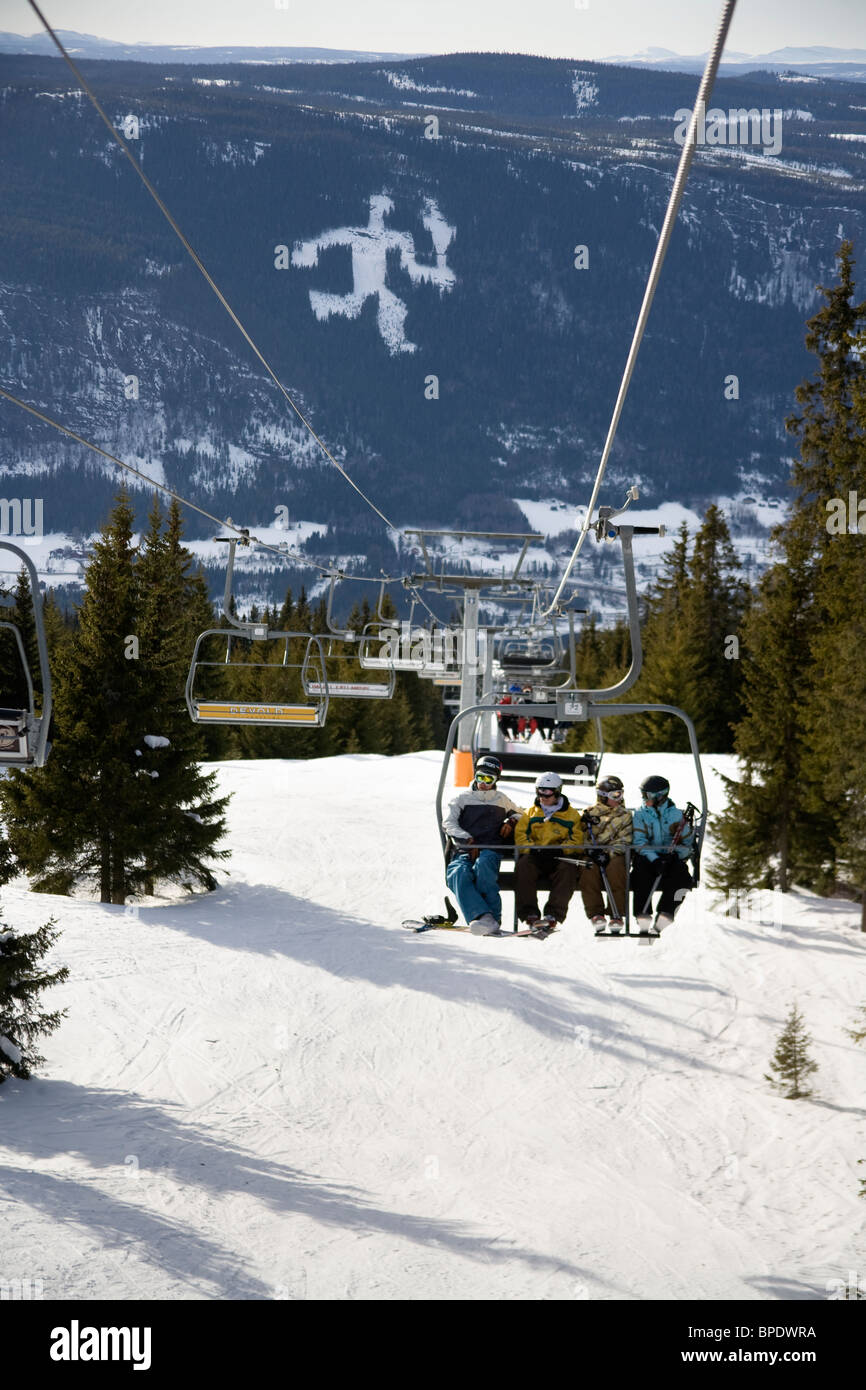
(274, 1091)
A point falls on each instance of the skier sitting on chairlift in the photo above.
(477, 817)
(610, 823)
(548, 830)
(663, 841)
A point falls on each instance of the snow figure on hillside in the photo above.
(370, 246)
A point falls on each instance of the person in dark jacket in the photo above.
(657, 862)
(476, 818)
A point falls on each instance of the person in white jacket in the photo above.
(475, 821)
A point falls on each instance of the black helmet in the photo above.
(655, 787)
(608, 785)
(488, 766)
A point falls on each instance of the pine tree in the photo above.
(693, 611)
(78, 815)
(22, 980)
(791, 1059)
(803, 798)
(182, 819)
(89, 812)
(858, 1035)
(715, 605)
(832, 465)
(768, 836)
(664, 675)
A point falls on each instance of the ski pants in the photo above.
(676, 880)
(591, 886)
(475, 885)
(563, 879)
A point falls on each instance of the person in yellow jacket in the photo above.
(611, 823)
(549, 830)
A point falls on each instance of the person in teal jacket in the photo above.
(656, 858)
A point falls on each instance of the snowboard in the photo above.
(425, 925)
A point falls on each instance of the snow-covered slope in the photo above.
(273, 1091)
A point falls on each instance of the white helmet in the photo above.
(548, 782)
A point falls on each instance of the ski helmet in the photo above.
(488, 766)
(655, 788)
(548, 782)
(610, 786)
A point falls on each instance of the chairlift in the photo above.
(580, 706)
(229, 711)
(537, 657)
(343, 689)
(284, 714)
(23, 733)
(406, 648)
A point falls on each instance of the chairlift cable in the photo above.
(304, 560)
(686, 157)
(199, 263)
(161, 487)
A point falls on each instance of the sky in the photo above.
(557, 28)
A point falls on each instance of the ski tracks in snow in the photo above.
(273, 1091)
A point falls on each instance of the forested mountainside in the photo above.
(419, 290)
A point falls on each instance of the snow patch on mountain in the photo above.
(585, 90)
(237, 153)
(404, 83)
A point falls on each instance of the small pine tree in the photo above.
(21, 980)
(791, 1058)
(858, 1035)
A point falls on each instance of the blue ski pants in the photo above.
(475, 885)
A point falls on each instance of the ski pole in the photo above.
(616, 915)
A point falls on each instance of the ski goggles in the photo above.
(612, 796)
(486, 779)
(548, 791)
(654, 796)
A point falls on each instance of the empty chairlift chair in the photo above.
(285, 713)
(294, 672)
(23, 731)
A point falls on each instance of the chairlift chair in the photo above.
(395, 651)
(283, 714)
(580, 706)
(340, 688)
(23, 732)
